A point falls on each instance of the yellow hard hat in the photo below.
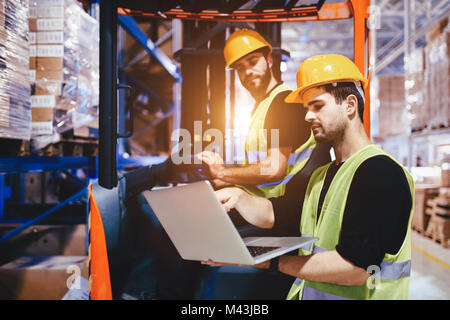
(323, 69)
(241, 43)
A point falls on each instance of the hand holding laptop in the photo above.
(262, 265)
(202, 230)
(255, 210)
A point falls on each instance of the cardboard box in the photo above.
(43, 87)
(437, 30)
(50, 37)
(42, 114)
(89, 130)
(38, 24)
(50, 51)
(47, 240)
(32, 24)
(2, 15)
(4, 110)
(48, 63)
(41, 277)
(51, 2)
(45, 11)
(43, 101)
(33, 63)
(41, 128)
(52, 75)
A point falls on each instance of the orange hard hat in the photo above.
(242, 42)
(323, 69)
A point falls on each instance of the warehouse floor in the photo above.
(430, 274)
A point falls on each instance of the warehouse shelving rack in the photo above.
(68, 165)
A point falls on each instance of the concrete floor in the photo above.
(430, 274)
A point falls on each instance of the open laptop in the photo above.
(201, 229)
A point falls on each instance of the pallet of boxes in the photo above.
(393, 116)
(64, 69)
(15, 114)
(428, 81)
(41, 262)
(439, 211)
(437, 75)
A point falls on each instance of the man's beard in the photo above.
(260, 88)
(331, 135)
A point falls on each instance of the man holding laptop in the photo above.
(358, 206)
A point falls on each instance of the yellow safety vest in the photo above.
(256, 149)
(392, 281)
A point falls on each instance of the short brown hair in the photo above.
(342, 90)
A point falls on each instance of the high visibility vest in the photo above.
(392, 280)
(256, 149)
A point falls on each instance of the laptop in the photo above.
(200, 228)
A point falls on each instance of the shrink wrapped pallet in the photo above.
(66, 64)
(15, 114)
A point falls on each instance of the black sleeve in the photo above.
(376, 214)
(289, 119)
(288, 208)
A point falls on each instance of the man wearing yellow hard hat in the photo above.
(358, 206)
(267, 167)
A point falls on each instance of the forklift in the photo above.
(130, 254)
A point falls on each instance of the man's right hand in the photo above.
(220, 184)
(229, 197)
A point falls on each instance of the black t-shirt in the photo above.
(376, 214)
(289, 119)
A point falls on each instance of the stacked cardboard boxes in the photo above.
(64, 64)
(43, 262)
(427, 88)
(46, 24)
(393, 116)
(437, 72)
(415, 90)
(15, 114)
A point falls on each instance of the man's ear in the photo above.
(270, 60)
(352, 106)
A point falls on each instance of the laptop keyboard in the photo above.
(257, 251)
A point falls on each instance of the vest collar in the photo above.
(266, 96)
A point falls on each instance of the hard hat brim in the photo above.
(239, 57)
(296, 95)
(293, 97)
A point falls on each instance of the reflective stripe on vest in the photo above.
(256, 149)
(294, 158)
(314, 294)
(298, 157)
(388, 269)
(394, 270)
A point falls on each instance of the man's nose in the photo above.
(310, 116)
(248, 70)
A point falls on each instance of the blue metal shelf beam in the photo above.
(43, 215)
(12, 165)
(40, 164)
(130, 25)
